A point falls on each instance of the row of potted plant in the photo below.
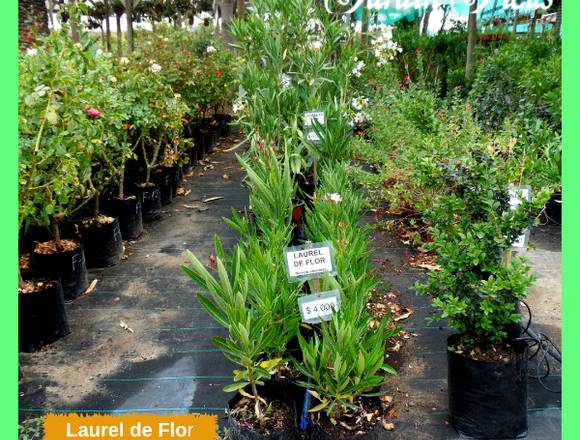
(462, 192)
(104, 143)
(297, 59)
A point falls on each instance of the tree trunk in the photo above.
(532, 29)
(241, 8)
(122, 183)
(365, 21)
(129, 12)
(226, 8)
(119, 36)
(55, 232)
(32, 18)
(74, 32)
(108, 24)
(558, 24)
(103, 43)
(426, 19)
(446, 10)
(471, 40)
(516, 18)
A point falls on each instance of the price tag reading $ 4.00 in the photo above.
(319, 307)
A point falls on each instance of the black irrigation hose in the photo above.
(544, 347)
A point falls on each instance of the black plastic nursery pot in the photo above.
(69, 265)
(488, 400)
(199, 149)
(150, 198)
(273, 390)
(320, 428)
(176, 179)
(163, 178)
(554, 209)
(128, 211)
(224, 120)
(102, 241)
(41, 316)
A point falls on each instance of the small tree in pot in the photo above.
(478, 288)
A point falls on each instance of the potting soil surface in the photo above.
(140, 341)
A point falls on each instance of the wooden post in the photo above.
(471, 40)
(129, 12)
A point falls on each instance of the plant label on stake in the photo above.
(319, 306)
(309, 261)
(309, 118)
(514, 193)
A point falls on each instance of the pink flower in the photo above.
(93, 113)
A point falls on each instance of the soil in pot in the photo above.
(163, 178)
(102, 240)
(67, 263)
(488, 390)
(355, 425)
(150, 198)
(25, 266)
(128, 211)
(279, 420)
(41, 314)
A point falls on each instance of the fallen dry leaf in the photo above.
(225, 176)
(369, 416)
(180, 191)
(191, 206)
(388, 426)
(404, 313)
(386, 399)
(126, 327)
(92, 286)
(212, 199)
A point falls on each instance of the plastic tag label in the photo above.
(309, 261)
(514, 193)
(319, 307)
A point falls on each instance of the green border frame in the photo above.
(9, 175)
(571, 211)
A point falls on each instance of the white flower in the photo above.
(313, 25)
(31, 51)
(124, 60)
(285, 81)
(239, 106)
(359, 103)
(358, 68)
(78, 45)
(177, 95)
(210, 49)
(98, 52)
(113, 79)
(334, 197)
(155, 68)
(315, 45)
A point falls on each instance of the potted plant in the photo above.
(261, 408)
(53, 174)
(478, 288)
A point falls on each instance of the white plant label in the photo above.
(309, 261)
(514, 193)
(319, 307)
(309, 118)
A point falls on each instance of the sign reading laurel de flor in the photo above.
(309, 261)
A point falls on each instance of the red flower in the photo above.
(407, 79)
(218, 73)
(93, 113)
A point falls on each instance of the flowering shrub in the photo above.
(67, 123)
